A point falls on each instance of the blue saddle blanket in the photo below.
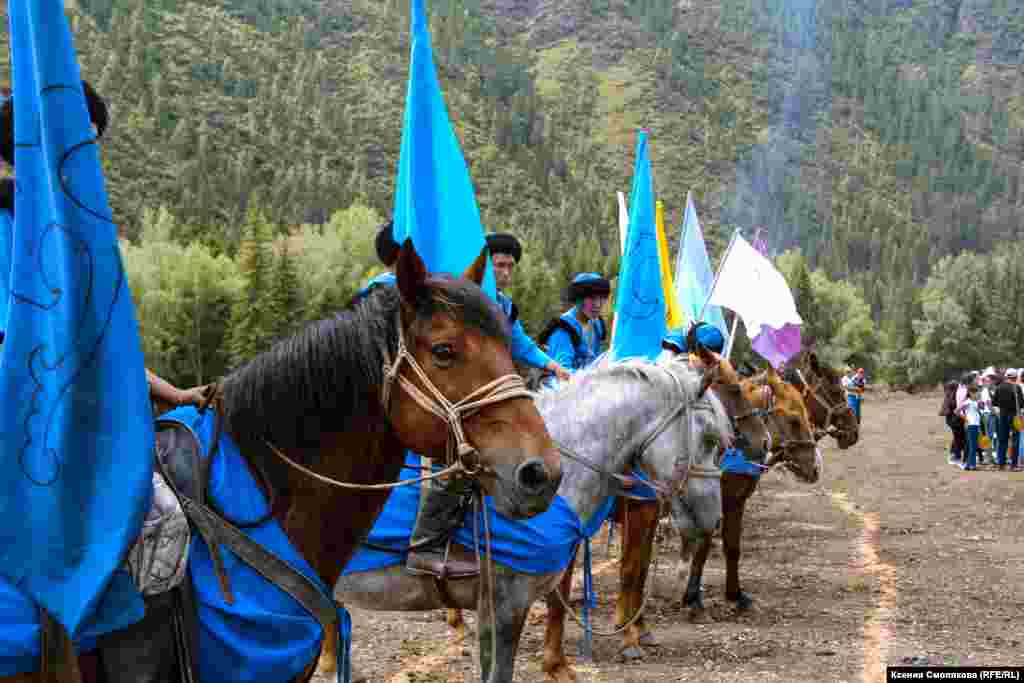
(734, 462)
(540, 545)
(20, 624)
(265, 635)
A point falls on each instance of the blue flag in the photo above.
(639, 297)
(6, 235)
(694, 276)
(434, 199)
(76, 432)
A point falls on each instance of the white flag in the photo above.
(623, 221)
(749, 285)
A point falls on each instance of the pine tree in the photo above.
(806, 305)
(251, 321)
(287, 308)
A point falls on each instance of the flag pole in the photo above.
(732, 334)
(718, 273)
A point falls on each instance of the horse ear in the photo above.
(411, 274)
(478, 268)
(812, 359)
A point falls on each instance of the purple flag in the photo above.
(775, 345)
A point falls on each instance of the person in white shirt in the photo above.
(971, 413)
(989, 416)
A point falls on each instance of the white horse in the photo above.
(660, 419)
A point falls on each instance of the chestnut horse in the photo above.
(825, 398)
(424, 366)
(795, 449)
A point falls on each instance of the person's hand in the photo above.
(561, 373)
(193, 396)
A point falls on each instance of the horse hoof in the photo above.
(632, 653)
(694, 600)
(743, 601)
(648, 640)
(562, 674)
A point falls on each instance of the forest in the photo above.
(879, 146)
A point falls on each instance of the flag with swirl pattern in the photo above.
(76, 432)
(639, 297)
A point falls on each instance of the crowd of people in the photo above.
(983, 412)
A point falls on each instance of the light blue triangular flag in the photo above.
(76, 431)
(434, 199)
(639, 298)
(694, 276)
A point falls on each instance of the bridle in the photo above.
(786, 445)
(461, 455)
(812, 391)
(458, 448)
(683, 471)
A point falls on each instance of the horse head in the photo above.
(790, 425)
(460, 396)
(752, 434)
(826, 401)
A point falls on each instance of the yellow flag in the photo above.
(674, 316)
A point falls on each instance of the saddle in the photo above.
(180, 460)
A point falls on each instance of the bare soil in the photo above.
(894, 557)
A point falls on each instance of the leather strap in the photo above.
(215, 531)
(59, 663)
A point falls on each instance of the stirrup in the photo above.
(439, 565)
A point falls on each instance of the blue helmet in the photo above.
(588, 284)
(675, 340)
(707, 336)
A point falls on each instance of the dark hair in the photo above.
(98, 114)
(387, 247)
(505, 243)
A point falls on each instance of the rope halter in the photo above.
(811, 390)
(458, 449)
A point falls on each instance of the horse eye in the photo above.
(444, 354)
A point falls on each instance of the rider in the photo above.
(574, 339)
(505, 254)
(708, 337)
(387, 251)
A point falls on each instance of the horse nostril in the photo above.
(532, 475)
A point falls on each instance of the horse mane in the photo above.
(658, 375)
(327, 376)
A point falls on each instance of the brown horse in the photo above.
(345, 398)
(795, 449)
(825, 398)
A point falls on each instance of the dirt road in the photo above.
(894, 555)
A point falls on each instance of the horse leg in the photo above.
(640, 524)
(693, 597)
(458, 629)
(556, 666)
(500, 628)
(736, 490)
